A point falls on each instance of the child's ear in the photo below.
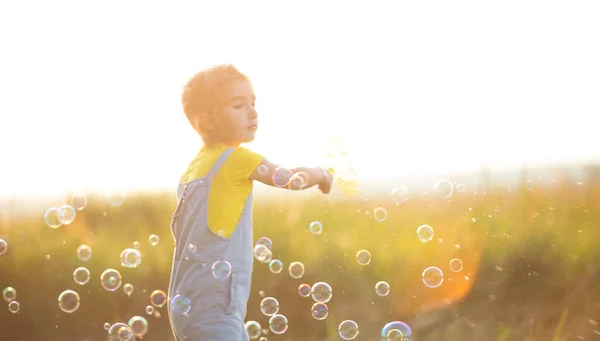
(206, 121)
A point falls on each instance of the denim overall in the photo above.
(218, 306)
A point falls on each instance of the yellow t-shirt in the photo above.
(230, 187)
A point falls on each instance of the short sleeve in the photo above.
(241, 163)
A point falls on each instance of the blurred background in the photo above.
(476, 119)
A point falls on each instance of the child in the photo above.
(213, 219)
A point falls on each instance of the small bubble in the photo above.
(304, 290)
(382, 288)
(444, 188)
(400, 195)
(54, 217)
(275, 266)
(296, 270)
(425, 233)
(278, 324)
(81, 275)
(3, 246)
(139, 326)
(262, 253)
(14, 307)
(120, 332)
(9, 294)
(263, 169)
(153, 240)
(266, 242)
(320, 311)
(253, 329)
(68, 301)
(321, 292)
(84, 253)
(181, 304)
(363, 257)
(128, 289)
(111, 279)
(456, 265)
(68, 214)
(433, 277)
(115, 197)
(316, 227)
(221, 269)
(78, 201)
(348, 330)
(380, 214)
(158, 298)
(131, 258)
(269, 306)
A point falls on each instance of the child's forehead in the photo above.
(238, 88)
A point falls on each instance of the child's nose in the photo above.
(252, 113)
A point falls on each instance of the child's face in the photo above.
(239, 119)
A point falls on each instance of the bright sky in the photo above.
(89, 94)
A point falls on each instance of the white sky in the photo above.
(89, 95)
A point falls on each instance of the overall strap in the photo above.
(220, 162)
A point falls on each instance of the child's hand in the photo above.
(326, 181)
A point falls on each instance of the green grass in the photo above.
(529, 248)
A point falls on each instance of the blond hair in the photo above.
(204, 93)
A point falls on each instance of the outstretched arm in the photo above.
(295, 179)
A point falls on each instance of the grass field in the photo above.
(531, 258)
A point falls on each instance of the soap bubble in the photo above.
(78, 201)
(53, 217)
(81, 275)
(316, 227)
(296, 270)
(131, 258)
(382, 288)
(456, 265)
(9, 294)
(363, 257)
(180, 304)
(115, 197)
(128, 289)
(153, 239)
(319, 311)
(68, 214)
(138, 326)
(3, 246)
(278, 324)
(396, 331)
(253, 329)
(120, 332)
(269, 306)
(321, 292)
(84, 253)
(14, 307)
(400, 195)
(425, 233)
(262, 253)
(281, 177)
(348, 330)
(266, 242)
(380, 214)
(221, 269)
(304, 290)
(68, 301)
(433, 277)
(444, 188)
(158, 298)
(111, 279)
(275, 266)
